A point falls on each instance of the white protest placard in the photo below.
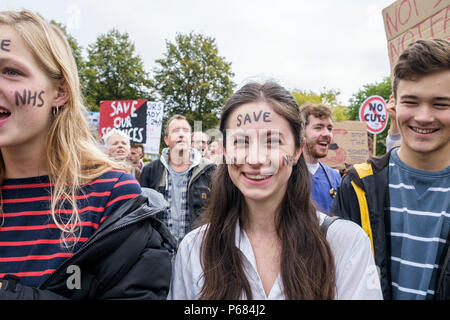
(349, 144)
(155, 111)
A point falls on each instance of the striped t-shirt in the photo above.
(30, 241)
(420, 223)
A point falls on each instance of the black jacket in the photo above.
(376, 189)
(153, 176)
(127, 257)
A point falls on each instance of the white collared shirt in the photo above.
(356, 273)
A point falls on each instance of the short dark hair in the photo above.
(174, 117)
(137, 145)
(320, 111)
(421, 58)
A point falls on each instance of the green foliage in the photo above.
(76, 48)
(76, 51)
(193, 80)
(114, 71)
(339, 113)
(303, 97)
(382, 89)
(326, 97)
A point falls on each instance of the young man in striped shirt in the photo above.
(407, 191)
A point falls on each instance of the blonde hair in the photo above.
(73, 157)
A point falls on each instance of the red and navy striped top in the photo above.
(30, 242)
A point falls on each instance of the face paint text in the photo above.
(29, 98)
(4, 44)
(256, 117)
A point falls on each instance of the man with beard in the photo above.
(318, 137)
(182, 175)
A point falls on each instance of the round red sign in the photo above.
(374, 113)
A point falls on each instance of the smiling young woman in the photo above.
(262, 237)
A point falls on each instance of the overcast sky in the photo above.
(307, 45)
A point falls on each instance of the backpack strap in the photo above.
(364, 170)
(327, 223)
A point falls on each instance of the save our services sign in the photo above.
(140, 119)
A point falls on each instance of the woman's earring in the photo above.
(55, 111)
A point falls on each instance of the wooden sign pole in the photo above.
(374, 145)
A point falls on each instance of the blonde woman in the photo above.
(72, 224)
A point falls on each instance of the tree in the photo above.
(382, 89)
(76, 51)
(193, 80)
(114, 71)
(339, 113)
(76, 48)
(326, 97)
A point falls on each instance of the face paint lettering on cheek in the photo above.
(29, 98)
(255, 116)
(288, 160)
(4, 44)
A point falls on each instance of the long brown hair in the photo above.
(307, 264)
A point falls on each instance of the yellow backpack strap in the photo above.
(364, 170)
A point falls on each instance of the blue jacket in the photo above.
(320, 187)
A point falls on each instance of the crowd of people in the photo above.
(254, 215)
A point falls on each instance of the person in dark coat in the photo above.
(182, 175)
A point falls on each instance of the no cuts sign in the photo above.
(374, 113)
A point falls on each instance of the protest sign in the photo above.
(140, 119)
(155, 112)
(406, 21)
(374, 114)
(349, 145)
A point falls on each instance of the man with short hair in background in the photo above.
(182, 175)
(200, 142)
(215, 151)
(318, 137)
(135, 156)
